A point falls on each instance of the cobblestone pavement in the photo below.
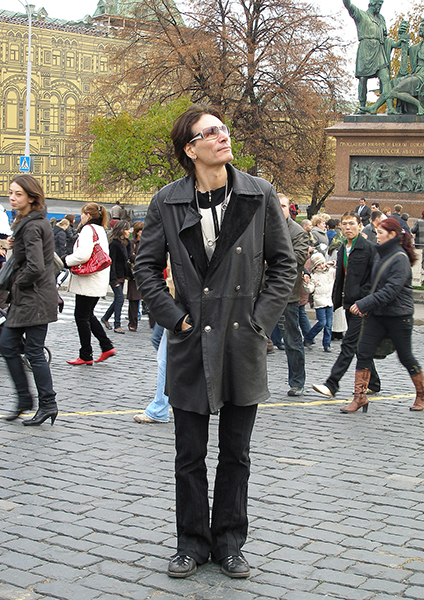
(87, 506)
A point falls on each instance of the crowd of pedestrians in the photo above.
(243, 271)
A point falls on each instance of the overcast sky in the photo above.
(76, 9)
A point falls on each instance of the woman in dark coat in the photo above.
(390, 312)
(133, 295)
(33, 299)
(59, 232)
(120, 270)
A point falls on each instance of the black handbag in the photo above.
(7, 274)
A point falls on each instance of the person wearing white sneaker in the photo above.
(158, 409)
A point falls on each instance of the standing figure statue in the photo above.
(410, 88)
(373, 57)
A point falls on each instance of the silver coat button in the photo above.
(238, 287)
(208, 328)
(206, 291)
(238, 250)
(236, 325)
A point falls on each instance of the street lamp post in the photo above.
(29, 9)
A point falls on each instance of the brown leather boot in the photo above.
(419, 387)
(360, 399)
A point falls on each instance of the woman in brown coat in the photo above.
(33, 299)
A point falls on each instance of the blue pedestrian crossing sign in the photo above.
(25, 164)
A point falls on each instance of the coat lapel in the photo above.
(238, 215)
(191, 237)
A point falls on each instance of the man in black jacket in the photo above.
(353, 281)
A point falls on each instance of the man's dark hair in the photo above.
(376, 204)
(375, 214)
(351, 213)
(331, 223)
(182, 131)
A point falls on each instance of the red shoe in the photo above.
(79, 361)
(104, 355)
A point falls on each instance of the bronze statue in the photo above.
(409, 88)
(373, 57)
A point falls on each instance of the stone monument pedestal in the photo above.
(381, 158)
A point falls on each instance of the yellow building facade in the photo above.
(67, 58)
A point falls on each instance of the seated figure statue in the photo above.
(410, 88)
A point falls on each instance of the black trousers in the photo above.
(10, 348)
(226, 533)
(87, 324)
(399, 329)
(348, 349)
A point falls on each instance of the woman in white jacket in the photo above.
(89, 288)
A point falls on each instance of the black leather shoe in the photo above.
(181, 566)
(235, 566)
(42, 415)
(15, 414)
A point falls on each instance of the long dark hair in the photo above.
(117, 232)
(31, 186)
(182, 132)
(405, 240)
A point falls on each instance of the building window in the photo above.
(70, 60)
(103, 65)
(4, 183)
(70, 115)
(56, 58)
(14, 52)
(55, 184)
(68, 184)
(54, 114)
(47, 57)
(12, 110)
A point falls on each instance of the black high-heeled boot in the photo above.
(41, 415)
(15, 414)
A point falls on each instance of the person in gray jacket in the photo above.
(289, 320)
(220, 226)
(33, 299)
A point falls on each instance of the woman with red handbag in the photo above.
(89, 281)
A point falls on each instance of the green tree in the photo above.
(414, 17)
(137, 151)
(272, 66)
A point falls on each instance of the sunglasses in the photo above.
(211, 133)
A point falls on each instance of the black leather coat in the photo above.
(223, 356)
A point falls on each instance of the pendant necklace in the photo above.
(209, 241)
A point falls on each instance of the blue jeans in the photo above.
(158, 408)
(10, 346)
(156, 335)
(325, 321)
(303, 320)
(293, 344)
(116, 306)
(277, 337)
